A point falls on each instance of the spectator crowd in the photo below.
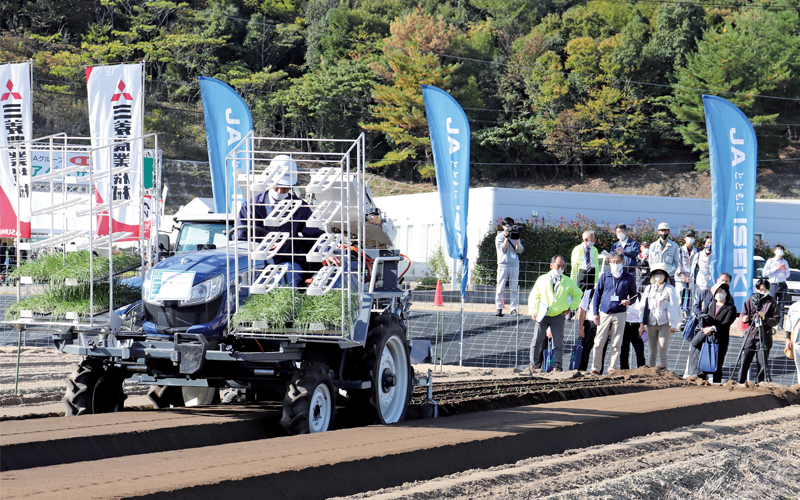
(648, 292)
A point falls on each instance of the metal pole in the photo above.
(455, 276)
(16, 377)
(461, 346)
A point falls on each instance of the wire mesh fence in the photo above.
(490, 341)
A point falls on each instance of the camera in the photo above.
(513, 232)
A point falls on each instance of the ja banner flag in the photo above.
(732, 148)
(228, 121)
(450, 137)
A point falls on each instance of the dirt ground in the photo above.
(753, 456)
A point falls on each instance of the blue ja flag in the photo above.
(450, 137)
(732, 148)
(228, 121)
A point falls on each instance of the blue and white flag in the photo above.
(450, 138)
(732, 147)
(228, 121)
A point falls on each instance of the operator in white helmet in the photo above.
(302, 237)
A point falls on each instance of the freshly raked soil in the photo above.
(754, 456)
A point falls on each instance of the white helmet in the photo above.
(289, 179)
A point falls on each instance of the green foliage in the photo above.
(275, 310)
(551, 87)
(57, 300)
(437, 265)
(769, 66)
(56, 268)
(544, 238)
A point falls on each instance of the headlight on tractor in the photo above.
(206, 291)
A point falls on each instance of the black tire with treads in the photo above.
(299, 391)
(93, 388)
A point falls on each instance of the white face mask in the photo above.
(720, 297)
(590, 243)
(616, 270)
(659, 278)
(621, 236)
(645, 252)
(779, 253)
(277, 196)
(558, 272)
(690, 241)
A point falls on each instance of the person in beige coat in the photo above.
(660, 312)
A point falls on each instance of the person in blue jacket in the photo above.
(628, 247)
(616, 290)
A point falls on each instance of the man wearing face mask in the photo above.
(552, 299)
(292, 253)
(628, 247)
(508, 248)
(615, 291)
(665, 251)
(703, 281)
(689, 257)
(643, 266)
(584, 262)
(752, 343)
(777, 270)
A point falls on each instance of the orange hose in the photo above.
(409, 264)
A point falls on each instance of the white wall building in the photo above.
(418, 217)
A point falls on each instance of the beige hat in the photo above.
(663, 225)
(717, 286)
(658, 266)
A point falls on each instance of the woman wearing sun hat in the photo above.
(660, 313)
(715, 321)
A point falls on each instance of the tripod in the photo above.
(758, 323)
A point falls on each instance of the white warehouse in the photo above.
(418, 217)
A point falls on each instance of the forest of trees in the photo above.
(550, 87)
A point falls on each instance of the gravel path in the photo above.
(754, 456)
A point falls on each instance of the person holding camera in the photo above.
(508, 247)
(716, 319)
(584, 262)
(760, 314)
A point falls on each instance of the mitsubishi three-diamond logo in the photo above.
(11, 93)
(121, 94)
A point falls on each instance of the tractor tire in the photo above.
(92, 388)
(310, 402)
(385, 361)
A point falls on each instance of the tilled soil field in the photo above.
(747, 457)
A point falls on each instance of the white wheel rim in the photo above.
(198, 396)
(392, 399)
(319, 413)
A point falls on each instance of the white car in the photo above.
(793, 285)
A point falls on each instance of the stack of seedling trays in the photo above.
(66, 287)
(284, 311)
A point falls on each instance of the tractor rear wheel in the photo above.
(310, 402)
(386, 363)
(93, 388)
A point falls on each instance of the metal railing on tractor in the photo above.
(343, 251)
(74, 219)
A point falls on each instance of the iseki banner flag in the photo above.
(732, 147)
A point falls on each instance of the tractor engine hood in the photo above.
(205, 263)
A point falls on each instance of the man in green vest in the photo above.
(553, 297)
(584, 262)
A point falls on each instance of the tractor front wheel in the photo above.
(310, 401)
(93, 388)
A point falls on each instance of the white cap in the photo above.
(289, 179)
(663, 225)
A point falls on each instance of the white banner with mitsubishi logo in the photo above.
(116, 112)
(16, 125)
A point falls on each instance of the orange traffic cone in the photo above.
(437, 297)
